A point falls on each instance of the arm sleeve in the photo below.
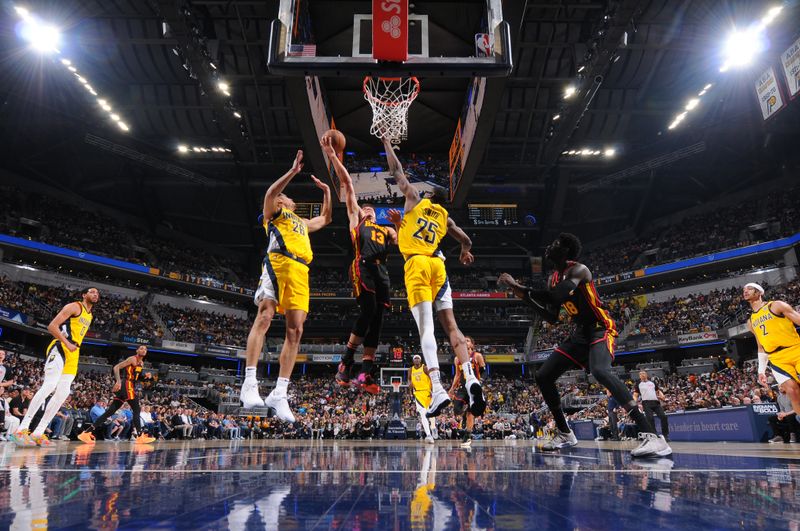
(762, 362)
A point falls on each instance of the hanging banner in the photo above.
(769, 94)
(790, 59)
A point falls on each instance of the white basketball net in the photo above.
(390, 98)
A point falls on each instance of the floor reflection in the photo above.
(387, 486)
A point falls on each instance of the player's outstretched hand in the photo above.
(297, 166)
(466, 257)
(395, 216)
(327, 147)
(319, 184)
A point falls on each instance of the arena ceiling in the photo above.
(653, 55)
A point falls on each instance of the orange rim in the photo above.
(411, 97)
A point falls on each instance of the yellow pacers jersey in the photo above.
(421, 506)
(422, 229)
(421, 383)
(288, 235)
(774, 332)
(74, 329)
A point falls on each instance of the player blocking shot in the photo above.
(421, 230)
(591, 346)
(369, 275)
(283, 287)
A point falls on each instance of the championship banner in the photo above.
(769, 94)
(178, 345)
(790, 59)
(390, 30)
(479, 295)
(699, 336)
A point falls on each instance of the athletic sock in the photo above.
(367, 364)
(436, 383)
(349, 357)
(561, 421)
(282, 386)
(469, 373)
(250, 374)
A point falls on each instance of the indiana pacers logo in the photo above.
(392, 27)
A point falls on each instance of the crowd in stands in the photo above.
(775, 215)
(323, 409)
(197, 326)
(704, 312)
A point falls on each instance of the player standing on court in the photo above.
(458, 393)
(421, 230)
(773, 325)
(591, 345)
(369, 275)
(68, 328)
(283, 286)
(421, 389)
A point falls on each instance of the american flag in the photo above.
(302, 50)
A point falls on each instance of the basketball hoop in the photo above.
(390, 98)
(396, 385)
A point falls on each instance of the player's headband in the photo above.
(416, 357)
(755, 287)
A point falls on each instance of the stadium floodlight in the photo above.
(692, 103)
(569, 92)
(123, 126)
(707, 87)
(42, 37)
(770, 16)
(115, 117)
(106, 107)
(183, 149)
(556, 117)
(610, 152)
(23, 13)
(66, 62)
(196, 149)
(237, 114)
(741, 47)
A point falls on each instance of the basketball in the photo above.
(337, 141)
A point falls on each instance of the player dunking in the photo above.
(369, 275)
(68, 328)
(421, 389)
(773, 325)
(460, 396)
(125, 391)
(421, 230)
(283, 287)
(591, 345)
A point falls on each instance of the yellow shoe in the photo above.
(87, 437)
(42, 440)
(144, 439)
(23, 438)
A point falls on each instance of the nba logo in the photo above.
(483, 45)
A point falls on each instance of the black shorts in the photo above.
(372, 278)
(461, 401)
(580, 344)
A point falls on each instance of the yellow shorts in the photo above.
(59, 359)
(785, 364)
(423, 398)
(284, 281)
(426, 281)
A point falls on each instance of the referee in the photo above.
(651, 398)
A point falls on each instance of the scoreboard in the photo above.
(308, 210)
(493, 214)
